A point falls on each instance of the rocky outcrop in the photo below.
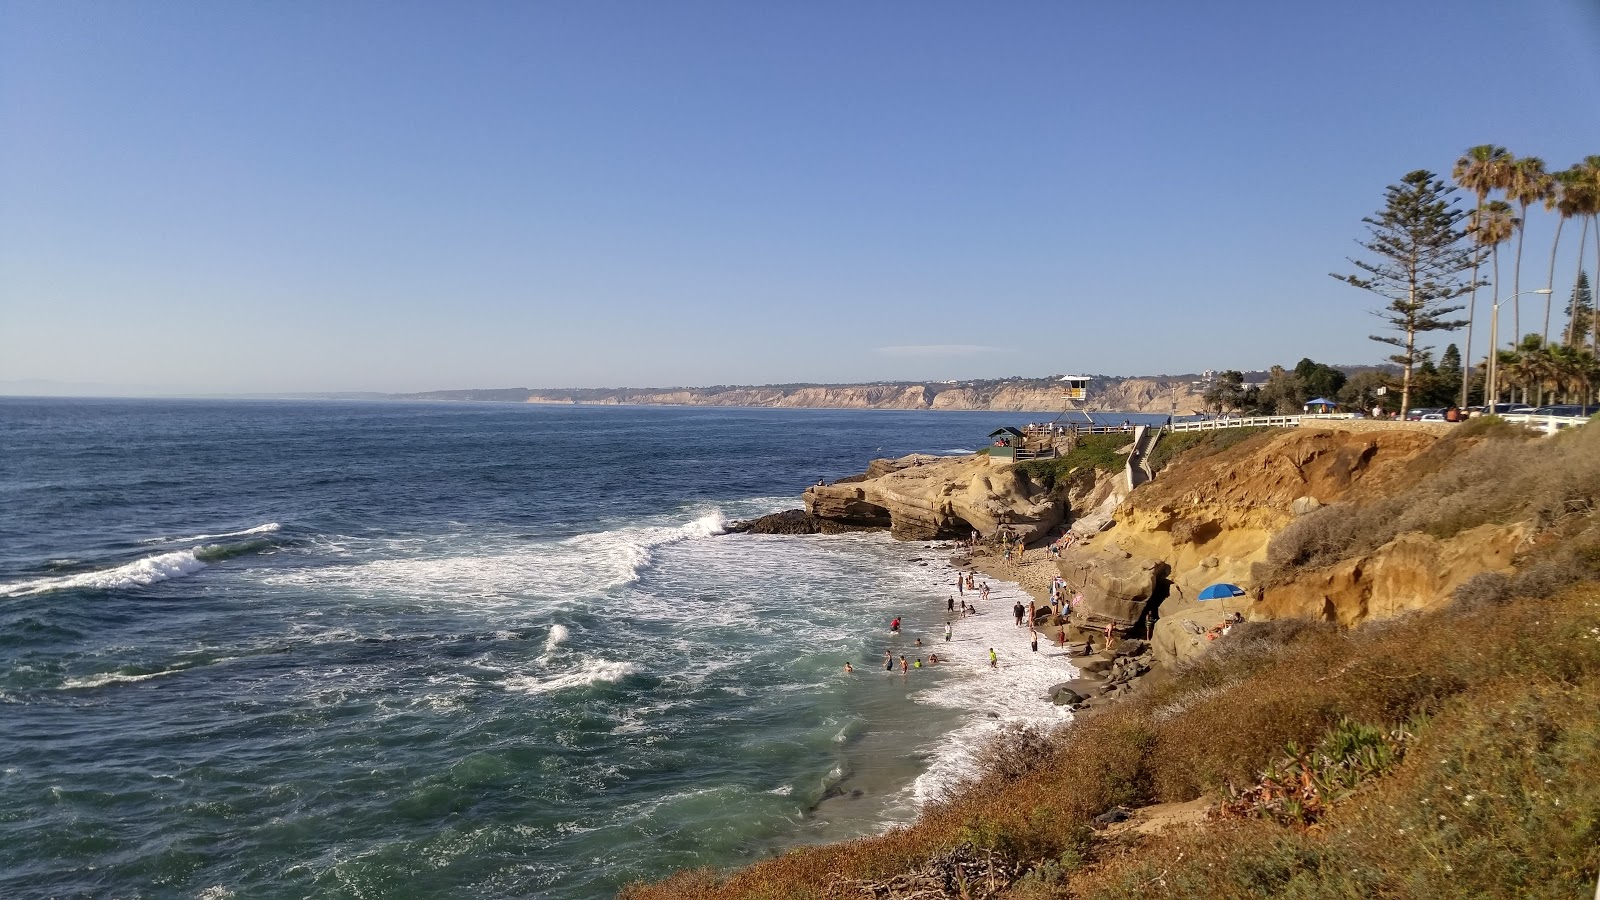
(795, 521)
(1117, 590)
(1211, 522)
(925, 497)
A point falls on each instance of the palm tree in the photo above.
(1495, 226)
(1481, 169)
(1527, 183)
(1587, 178)
(1556, 200)
(1580, 196)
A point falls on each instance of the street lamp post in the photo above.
(1491, 378)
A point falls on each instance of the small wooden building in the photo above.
(1004, 443)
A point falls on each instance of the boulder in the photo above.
(1117, 587)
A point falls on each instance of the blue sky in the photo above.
(204, 197)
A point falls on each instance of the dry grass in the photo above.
(1478, 475)
(1498, 694)
(1224, 720)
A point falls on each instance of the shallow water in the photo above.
(338, 649)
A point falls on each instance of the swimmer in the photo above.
(848, 668)
(919, 662)
(919, 642)
(933, 660)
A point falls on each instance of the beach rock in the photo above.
(1302, 505)
(928, 498)
(1117, 587)
(794, 521)
(1131, 647)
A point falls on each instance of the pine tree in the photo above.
(1450, 372)
(1422, 257)
(1580, 309)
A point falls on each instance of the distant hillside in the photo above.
(1160, 395)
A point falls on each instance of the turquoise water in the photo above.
(406, 650)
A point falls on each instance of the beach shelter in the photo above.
(1221, 591)
(1321, 405)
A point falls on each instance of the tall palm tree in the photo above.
(1481, 169)
(1555, 200)
(1580, 197)
(1497, 223)
(1527, 183)
(1588, 179)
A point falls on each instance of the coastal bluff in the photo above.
(1154, 395)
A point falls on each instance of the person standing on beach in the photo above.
(951, 606)
(1017, 609)
(1062, 636)
(947, 631)
(969, 581)
(994, 660)
(1033, 637)
(888, 661)
(905, 667)
(961, 585)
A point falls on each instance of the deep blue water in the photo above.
(265, 649)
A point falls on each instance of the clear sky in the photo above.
(221, 197)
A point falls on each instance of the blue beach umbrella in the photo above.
(1221, 592)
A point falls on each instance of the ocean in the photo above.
(292, 649)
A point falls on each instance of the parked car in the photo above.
(1419, 414)
(1566, 409)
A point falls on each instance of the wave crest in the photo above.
(558, 633)
(140, 572)
(592, 672)
(266, 528)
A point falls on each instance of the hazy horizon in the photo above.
(247, 199)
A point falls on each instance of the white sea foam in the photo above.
(110, 678)
(558, 633)
(994, 698)
(504, 572)
(138, 573)
(592, 672)
(267, 528)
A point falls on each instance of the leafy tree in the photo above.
(1281, 395)
(1318, 380)
(1421, 257)
(1580, 308)
(1450, 374)
(1361, 391)
(1227, 392)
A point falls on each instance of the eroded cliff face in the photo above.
(1210, 521)
(1120, 395)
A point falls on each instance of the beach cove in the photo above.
(417, 649)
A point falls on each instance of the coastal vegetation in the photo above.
(1438, 754)
(1196, 445)
(1420, 256)
(1103, 452)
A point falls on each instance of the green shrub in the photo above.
(1200, 444)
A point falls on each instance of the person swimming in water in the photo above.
(933, 660)
(848, 668)
(918, 663)
(895, 625)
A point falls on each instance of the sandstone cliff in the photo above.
(925, 497)
(1153, 395)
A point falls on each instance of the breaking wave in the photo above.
(593, 672)
(140, 572)
(267, 528)
(558, 633)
